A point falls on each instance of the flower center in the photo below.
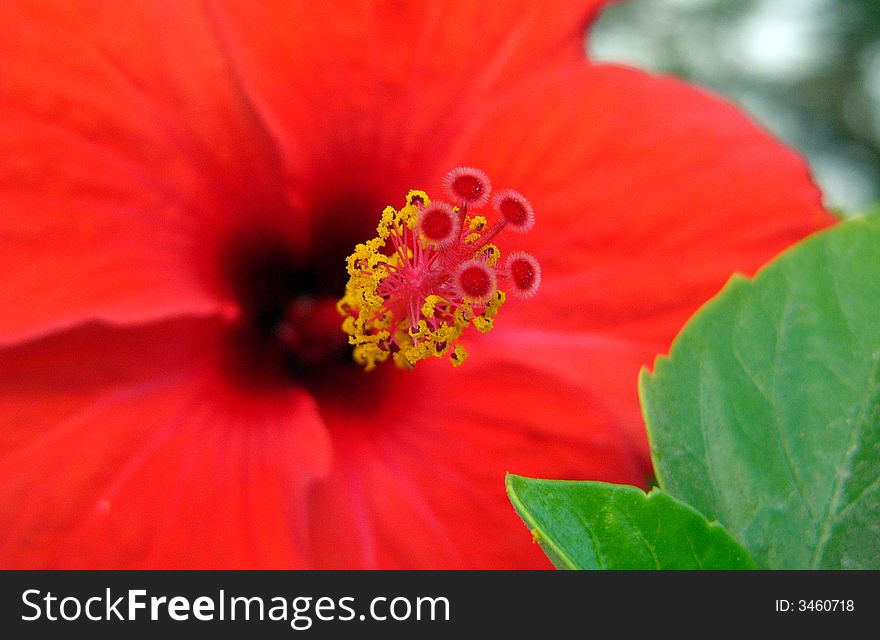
(432, 272)
(286, 330)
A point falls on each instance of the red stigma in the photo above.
(513, 212)
(476, 280)
(467, 186)
(515, 209)
(525, 272)
(437, 224)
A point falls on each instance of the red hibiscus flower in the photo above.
(180, 183)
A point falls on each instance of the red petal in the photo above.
(606, 368)
(126, 143)
(119, 449)
(382, 86)
(648, 195)
(422, 484)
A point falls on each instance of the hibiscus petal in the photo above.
(121, 448)
(649, 194)
(383, 85)
(126, 142)
(420, 484)
(606, 369)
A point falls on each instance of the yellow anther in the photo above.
(483, 324)
(491, 253)
(430, 305)
(458, 356)
(494, 304)
(478, 223)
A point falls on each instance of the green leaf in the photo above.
(872, 210)
(766, 414)
(595, 525)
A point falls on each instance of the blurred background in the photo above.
(808, 70)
